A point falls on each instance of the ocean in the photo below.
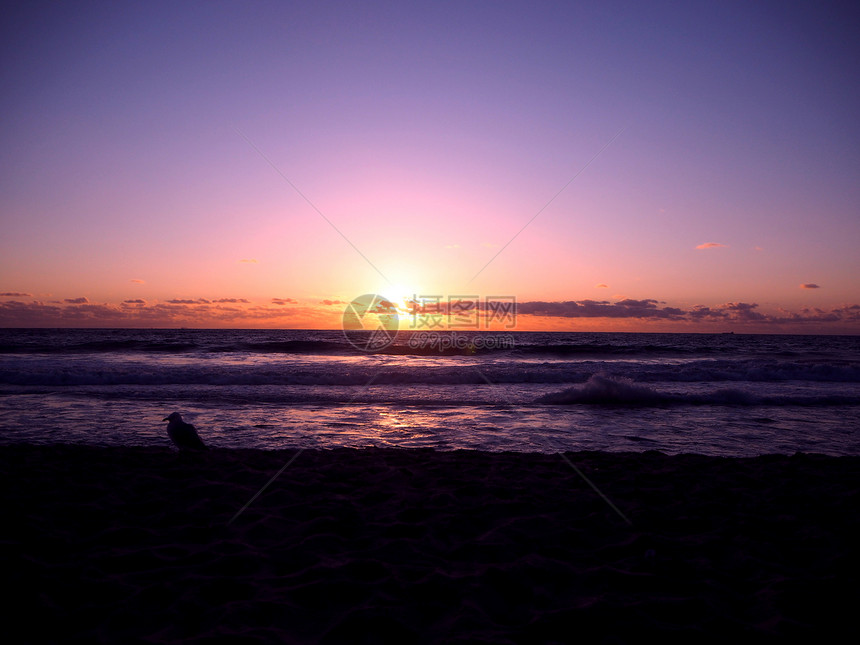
(711, 394)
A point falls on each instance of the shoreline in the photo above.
(347, 545)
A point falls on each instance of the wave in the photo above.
(287, 347)
(600, 389)
(529, 346)
(299, 347)
(761, 370)
(604, 390)
(213, 370)
(434, 381)
(101, 346)
(611, 349)
(138, 346)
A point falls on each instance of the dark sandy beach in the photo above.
(136, 544)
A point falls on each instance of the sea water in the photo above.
(713, 394)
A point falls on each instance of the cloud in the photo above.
(382, 306)
(248, 261)
(744, 311)
(16, 294)
(809, 285)
(35, 314)
(649, 310)
(452, 246)
(136, 312)
(627, 308)
(240, 313)
(137, 281)
(601, 286)
(711, 245)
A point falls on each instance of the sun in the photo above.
(402, 295)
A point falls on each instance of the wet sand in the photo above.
(415, 546)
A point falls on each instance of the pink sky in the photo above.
(428, 138)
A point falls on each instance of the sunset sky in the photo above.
(153, 153)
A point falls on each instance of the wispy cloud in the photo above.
(136, 301)
(332, 302)
(809, 285)
(77, 301)
(183, 301)
(16, 294)
(284, 301)
(452, 246)
(247, 261)
(137, 281)
(235, 301)
(712, 245)
(601, 286)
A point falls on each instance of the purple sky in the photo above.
(428, 136)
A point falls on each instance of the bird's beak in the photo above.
(165, 419)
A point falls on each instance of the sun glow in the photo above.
(403, 295)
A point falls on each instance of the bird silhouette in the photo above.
(184, 435)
